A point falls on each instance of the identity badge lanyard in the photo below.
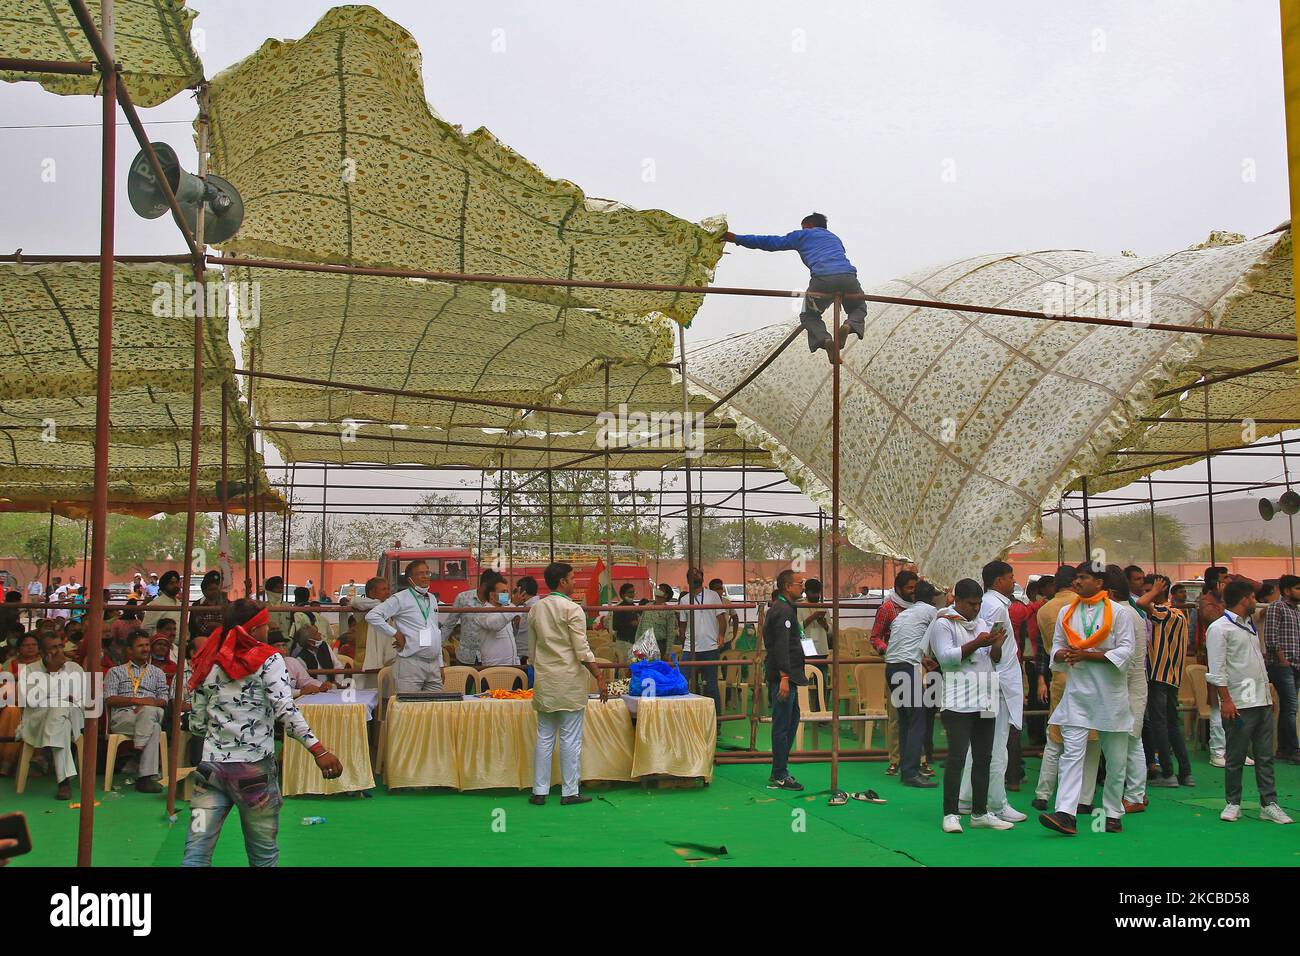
(425, 609)
(1091, 624)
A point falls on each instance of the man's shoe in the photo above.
(576, 798)
(537, 799)
(891, 770)
(1164, 781)
(952, 823)
(1011, 815)
(926, 771)
(990, 822)
(1275, 814)
(1216, 760)
(1085, 809)
(149, 785)
(64, 792)
(1231, 813)
(785, 783)
(1134, 807)
(1039, 804)
(920, 782)
(1113, 825)
(1187, 781)
(1059, 821)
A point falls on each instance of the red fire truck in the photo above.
(454, 569)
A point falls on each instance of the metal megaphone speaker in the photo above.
(1289, 503)
(223, 208)
(1266, 509)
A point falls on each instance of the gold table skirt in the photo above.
(487, 744)
(342, 729)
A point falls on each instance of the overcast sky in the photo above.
(926, 131)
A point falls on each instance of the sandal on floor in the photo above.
(838, 799)
(868, 796)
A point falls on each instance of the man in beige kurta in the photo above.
(561, 659)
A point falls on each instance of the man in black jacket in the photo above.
(783, 642)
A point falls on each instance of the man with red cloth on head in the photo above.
(240, 687)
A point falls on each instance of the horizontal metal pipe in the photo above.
(72, 67)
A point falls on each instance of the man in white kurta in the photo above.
(1135, 773)
(1096, 697)
(52, 698)
(999, 586)
(562, 659)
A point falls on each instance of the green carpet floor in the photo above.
(628, 825)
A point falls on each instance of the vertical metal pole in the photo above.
(223, 526)
(200, 322)
(482, 478)
(744, 521)
(821, 544)
(1060, 530)
(832, 692)
(550, 515)
(609, 533)
(686, 465)
(49, 557)
(103, 395)
(85, 554)
(1087, 525)
(1286, 476)
(324, 500)
(1151, 498)
(1209, 471)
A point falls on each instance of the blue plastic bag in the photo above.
(657, 679)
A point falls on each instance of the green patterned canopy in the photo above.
(151, 42)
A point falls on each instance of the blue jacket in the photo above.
(820, 249)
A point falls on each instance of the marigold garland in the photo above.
(1097, 636)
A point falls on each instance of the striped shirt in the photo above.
(1168, 645)
(1282, 630)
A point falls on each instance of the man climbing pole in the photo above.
(832, 273)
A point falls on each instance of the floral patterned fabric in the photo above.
(351, 165)
(958, 426)
(151, 42)
(50, 335)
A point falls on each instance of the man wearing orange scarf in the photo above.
(1093, 641)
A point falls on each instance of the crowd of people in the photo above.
(1089, 664)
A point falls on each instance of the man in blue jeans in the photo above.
(240, 687)
(1282, 651)
(783, 642)
(832, 273)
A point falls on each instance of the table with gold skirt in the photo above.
(479, 744)
(340, 724)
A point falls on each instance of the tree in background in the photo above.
(27, 536)
(1125, 537)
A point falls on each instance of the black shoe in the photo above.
(1113, 825)
(1085, 809)
(921, 782)
(1060, 822)
(1039, 804)
(537, 799)
(576, 798)
(149, 785)
(64, 792)
(786, 783)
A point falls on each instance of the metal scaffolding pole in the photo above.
(686, 467)
(838, 796)
(103, 395)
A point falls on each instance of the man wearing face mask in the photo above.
(417, 636)
(473, 630)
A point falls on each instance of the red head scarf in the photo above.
(236, 651)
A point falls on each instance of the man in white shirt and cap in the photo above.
(410, 619)
(968, 650)
(1238, 678)
(1094, 640)
(562, 659)
(999, 588)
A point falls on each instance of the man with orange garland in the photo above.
(1094, 640)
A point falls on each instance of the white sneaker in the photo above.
(952, 823)
(990, 822)
(1011, 815)
(1275, 813)
(1232, 813)
(1216, 760)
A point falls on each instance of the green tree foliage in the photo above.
(27, 536)
(1125, 537)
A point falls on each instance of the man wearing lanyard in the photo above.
(783, 642)
(1238, 680)
(136, 692)
(418, 640)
